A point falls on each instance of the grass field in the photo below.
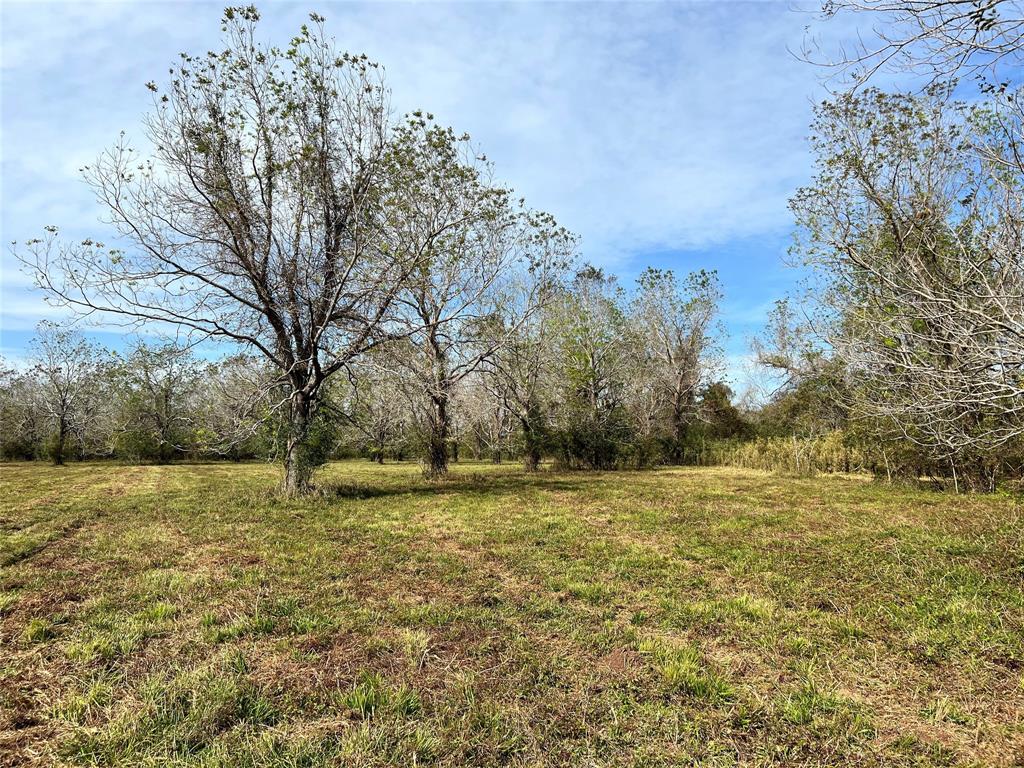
(185, 615)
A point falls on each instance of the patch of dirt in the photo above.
(26, 732)
(620, 662)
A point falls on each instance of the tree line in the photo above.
(388, 296)
(376, 278)
(598, 377)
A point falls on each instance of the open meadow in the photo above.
(188, 615)
(681, 346)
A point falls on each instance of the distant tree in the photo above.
(476, 245)
(160, 414)
(261, 217)
(25, 426)
(68, 369)
(810, 395)
(520, 374)
(720, 417)
(593, 366)
(487, 421)
(787, 346)
(673, 324)
(237, 409)
(374, 408)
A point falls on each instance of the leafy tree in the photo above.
(722, 418)
(159, 409)
(593, 367)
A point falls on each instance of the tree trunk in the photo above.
(531, 447)
(531, 459)
(62, 436)
(298, 468)
(437, 443)
(163, 452)
(163, 421)
(678, 430)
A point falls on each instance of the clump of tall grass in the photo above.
(842, 451)
(805, 456)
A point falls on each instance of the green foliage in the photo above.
(813, 403)
(593, 429)
(159, 386)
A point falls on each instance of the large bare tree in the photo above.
(260, 216)
(915, 223)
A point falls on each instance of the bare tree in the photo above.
(518, 378)
(945, 377)
(475, 244)
(484, 417)
(25, 425)
(235, 412)
(67, 368)
(374, 407)
(916, 225)
(261, 217)
(674, 325)
(786, 346)
(942, 38)
(808, 384)
(519, 375)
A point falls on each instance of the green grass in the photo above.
(188, 616)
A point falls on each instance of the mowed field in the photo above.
(186, 615)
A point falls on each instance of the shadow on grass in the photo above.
(476, 484)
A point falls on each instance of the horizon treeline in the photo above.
(599, 378)
(392, 300)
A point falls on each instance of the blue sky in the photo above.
(668, 135)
